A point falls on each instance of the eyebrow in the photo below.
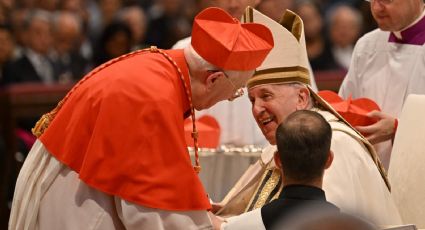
(265, 90)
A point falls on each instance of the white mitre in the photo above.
(288, 59)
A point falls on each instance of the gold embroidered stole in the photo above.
(267, 190)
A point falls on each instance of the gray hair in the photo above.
(37, 14)
(299, 85)
(206, 65)
(198, 59)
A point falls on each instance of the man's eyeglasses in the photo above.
(382, 2)
(238, 91)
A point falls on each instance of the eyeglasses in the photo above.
(382, 2)
(238, 92)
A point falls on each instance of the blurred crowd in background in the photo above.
(54, 41)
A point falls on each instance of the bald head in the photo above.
(66, 30)
(303, 141)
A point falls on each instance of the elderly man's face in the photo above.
(271, 104)
(217, 87)
(396, 15)
(41, 36)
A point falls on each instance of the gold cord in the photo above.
(47, 118)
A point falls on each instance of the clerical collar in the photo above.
(414, 34)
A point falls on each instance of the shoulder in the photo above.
(283, 213)
(342, 134)
(371, 41)
(143, 68)
(19, 64)
(248, 220)
(267, 154)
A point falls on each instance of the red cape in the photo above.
(122, 131)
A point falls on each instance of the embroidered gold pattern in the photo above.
(267, 190)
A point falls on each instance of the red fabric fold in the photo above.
(354, 111)
(122, 131)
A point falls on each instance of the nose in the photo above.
(257, 108)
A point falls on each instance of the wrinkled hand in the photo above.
(216, 207)
(216, 221)
(380, 131)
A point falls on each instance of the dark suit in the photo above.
(72, 64)
(19, 71)
(293, 199)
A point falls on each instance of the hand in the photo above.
(216, 207)
(216, 221)
(380, 131)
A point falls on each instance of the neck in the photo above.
(314, 183)
(416, 18)
(195, 82)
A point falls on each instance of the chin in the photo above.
(200, 107)
(271, 140)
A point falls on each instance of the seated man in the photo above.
(303, 135)
(356, 182)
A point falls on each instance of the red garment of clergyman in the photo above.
(122, 131)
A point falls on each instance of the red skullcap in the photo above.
(353, 111)
(226, 43)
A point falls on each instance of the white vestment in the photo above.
(248, 220)
(407, 162)
(387, 73)
(237, 125)
(49, 195)
(353, 182)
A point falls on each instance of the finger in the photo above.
(373, 138)
(375, 114)
(367, 129)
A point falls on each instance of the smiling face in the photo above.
(396, 15)
(271, 104)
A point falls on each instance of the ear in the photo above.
(329, 160)
(303, 98)
(212, 78)
(277, 159)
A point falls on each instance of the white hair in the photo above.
(202, 63)
(299, 85)
(198, 59)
